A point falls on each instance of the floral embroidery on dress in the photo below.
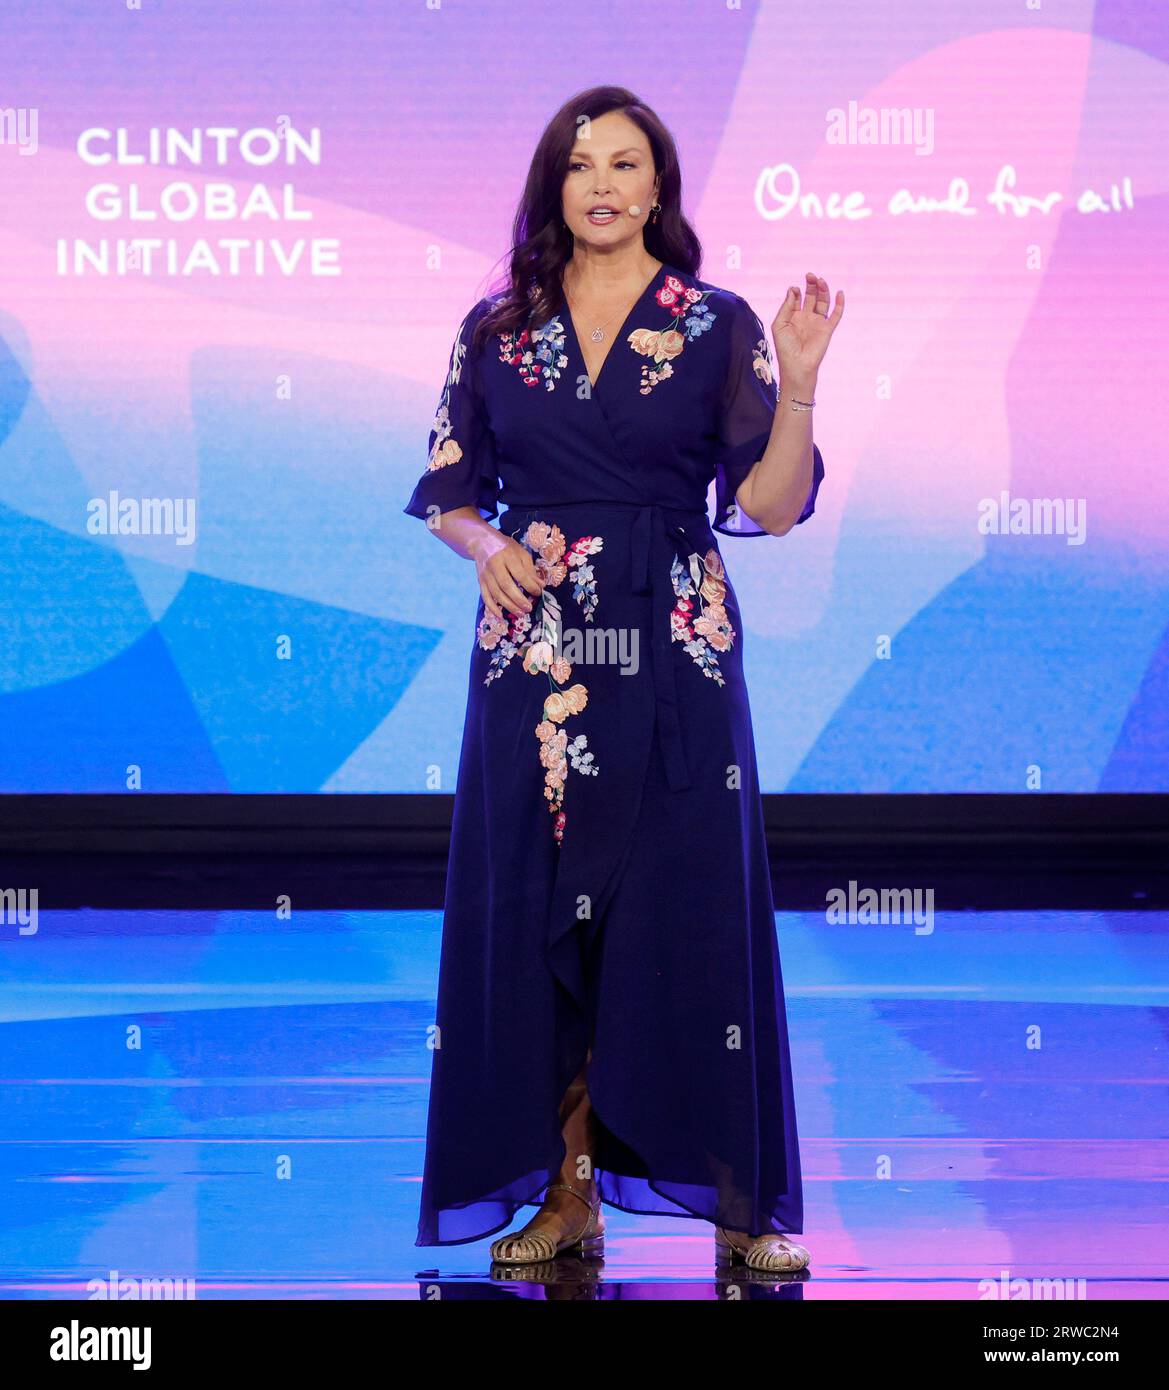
(761, 361)
(502, 638)
(703, 582)
(538, 352)
(538, 636)
(691, 317)
(446, 450)
(584, 581)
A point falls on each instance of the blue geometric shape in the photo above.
(14, 390)
(80, 735)
(993, 677)
(286, 725)
(1140, 758)
(67, 604)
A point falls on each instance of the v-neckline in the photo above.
(619, 336)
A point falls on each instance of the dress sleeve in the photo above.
(747, 409)
(461, 468)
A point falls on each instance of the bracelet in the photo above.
(801, 405)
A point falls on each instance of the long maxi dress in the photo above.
(608, 899)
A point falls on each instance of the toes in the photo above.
(778, 1256)
(529, 1248)
(778, 1260)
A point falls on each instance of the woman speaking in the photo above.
(611, 1026)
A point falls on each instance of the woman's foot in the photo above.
(561, 1224)
(774, 1252)
(568, 1219)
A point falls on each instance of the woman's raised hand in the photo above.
(802, 331)
(506, 569)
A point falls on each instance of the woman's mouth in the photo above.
(602, 216)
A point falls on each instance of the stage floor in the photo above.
(240, 1101)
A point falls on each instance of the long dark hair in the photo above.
(542, 244)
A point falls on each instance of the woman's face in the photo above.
(610, 166)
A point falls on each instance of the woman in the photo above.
(611, 1023)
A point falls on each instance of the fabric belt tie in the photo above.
(655, 543)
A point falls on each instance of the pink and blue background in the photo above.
(978, 354)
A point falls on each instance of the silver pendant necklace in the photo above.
(598, 333)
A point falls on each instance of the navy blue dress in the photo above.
(607, 896)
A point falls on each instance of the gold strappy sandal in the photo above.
(533, 1247)
(773, 1252)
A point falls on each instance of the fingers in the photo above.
(791, 302)
(816, 294)
(510, 581)
(495, 594)
(521, 570)
(817, 299)
(506, 573)
(837, 313)
(490, 602)
(513, 596)
(528, 575)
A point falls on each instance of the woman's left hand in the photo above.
(802, 332)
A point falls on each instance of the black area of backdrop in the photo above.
(379, 852)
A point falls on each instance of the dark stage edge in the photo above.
(978, 851)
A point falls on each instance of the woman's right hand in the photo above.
(505, 569)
